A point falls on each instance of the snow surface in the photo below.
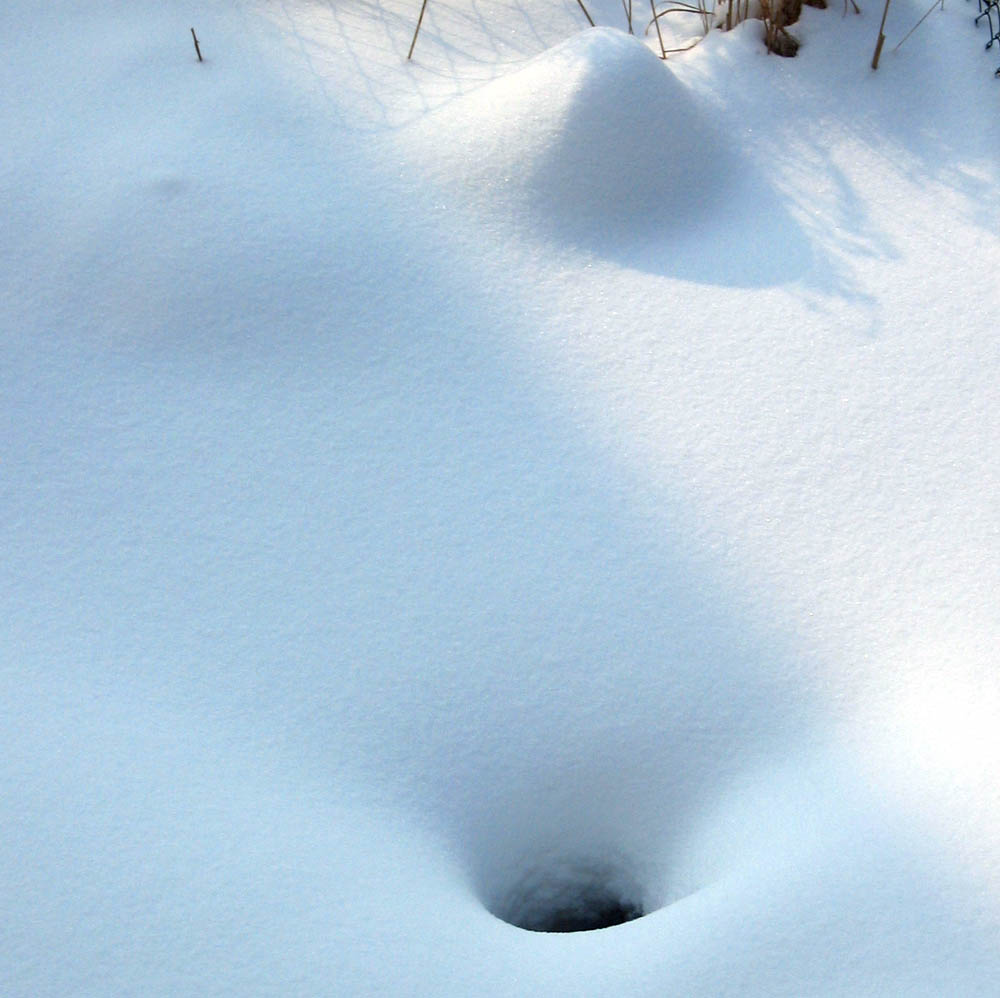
(428, 483)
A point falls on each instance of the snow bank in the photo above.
(595, 139)
(596, 144)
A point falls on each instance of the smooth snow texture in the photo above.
(434, 490)
(596, 144)
(594, 136)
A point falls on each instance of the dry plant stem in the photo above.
(686, 8)
(881, 36)
(423, 8)
(627, 4)
(659, 34)
(680, 9)
(420, 20)
(765, 16)
(917, 25)
(197, 47)
(685, 48)
(704, 14)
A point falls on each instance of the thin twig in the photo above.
(681, 8)
(921, 21)
(686, 8)
(420, 20)
(659, 34)
(587, 12)
(684, 48)
(197, 47)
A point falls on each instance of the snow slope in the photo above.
(433, 489)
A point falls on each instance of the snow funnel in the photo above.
(594, 140)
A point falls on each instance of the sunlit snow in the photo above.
(451, 506)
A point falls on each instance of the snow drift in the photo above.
(597, 144)
(593, 139)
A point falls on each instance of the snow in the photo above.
(432, 488)
(592, 142)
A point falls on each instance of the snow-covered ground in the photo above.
(533, 471)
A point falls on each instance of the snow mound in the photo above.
(593, 139)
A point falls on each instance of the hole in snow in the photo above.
(571, 896)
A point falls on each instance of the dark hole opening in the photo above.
(584, 917)
(578, 897)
